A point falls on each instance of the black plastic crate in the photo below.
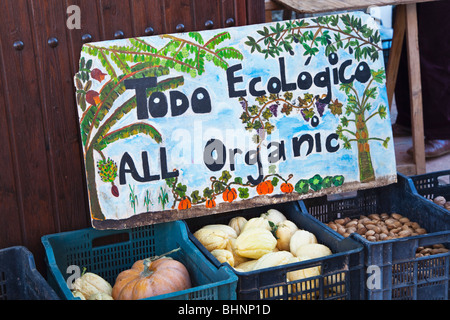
(341, 273)
(401, 274)
(432, 185)
(19, 279)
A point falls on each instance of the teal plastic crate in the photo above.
(107, 253)
(392, 270)
(19, 279)
(341, 273)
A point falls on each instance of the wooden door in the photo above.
(42, 181)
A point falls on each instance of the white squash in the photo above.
(237, 258)
(304, 288)
(100, 296)
(273, 259)
(223, 256)
(284, 232)
(212, 239)
(293, 275)
(91, 283)
(289, 224)
(274, 215)
(302, 273)
(225, 228)
(312, 251)
(300, 238)
(238, 223)
(255, 242)
(257, 222)
(247, 266)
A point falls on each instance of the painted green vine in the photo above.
(220, 186)
(225, 184)
(334, 32)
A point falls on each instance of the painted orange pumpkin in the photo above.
(230, 195)
(185, 204)
(269, 187)
(287, 188)
(265, 187)
(210, 203)
(148, 278)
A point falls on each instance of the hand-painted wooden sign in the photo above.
(199, 123)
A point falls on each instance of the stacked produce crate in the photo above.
(19, 279)
(434, 186)
(405, 237)
(384, 243)
(311, 264)
(106, 254)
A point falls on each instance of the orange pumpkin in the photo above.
(148, 278)
(229, 195)
(185, 204)
(287, 188)
(265, 187)
(210, 203)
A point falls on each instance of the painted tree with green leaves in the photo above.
(333, 33)
(133, 59)
(359, 111)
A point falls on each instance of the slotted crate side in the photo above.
(341, 273)
(124, 247)
(19, 279)
(432, 185)
(402, 275)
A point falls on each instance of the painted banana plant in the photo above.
(136, 58)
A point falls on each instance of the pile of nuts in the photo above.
(441, 201)
(378, 227)
(431, 250)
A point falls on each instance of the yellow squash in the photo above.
(255, 242)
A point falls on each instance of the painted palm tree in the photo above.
(132, 59)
